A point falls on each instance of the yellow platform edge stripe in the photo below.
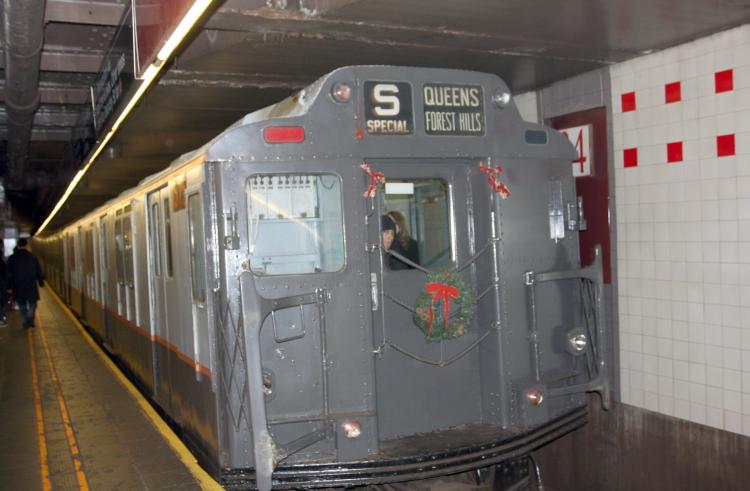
(41, 435)
(205, 481)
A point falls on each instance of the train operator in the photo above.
(397, 238)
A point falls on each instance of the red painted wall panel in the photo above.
(595, 188)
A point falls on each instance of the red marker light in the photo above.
(284, 134)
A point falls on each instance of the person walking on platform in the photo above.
(23, 273)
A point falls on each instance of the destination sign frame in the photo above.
(453, 109)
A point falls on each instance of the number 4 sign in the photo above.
(580, 137)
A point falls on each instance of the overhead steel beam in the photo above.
(193, 78)
(56, 94)
(67, 61)
(286, 23)
(57, 117)
(307, 8)
(47, 134)
(71, 61)
(84, 12)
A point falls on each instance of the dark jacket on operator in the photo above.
(23, 273)
(411, 252)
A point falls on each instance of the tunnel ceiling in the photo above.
(251, 53)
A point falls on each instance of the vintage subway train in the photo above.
(248, 289)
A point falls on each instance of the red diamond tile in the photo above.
(628, 102)
(630, 157)
(725, 145)
(672, 93)
(674, 152)
(724, 81)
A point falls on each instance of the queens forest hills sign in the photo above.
(448, 109)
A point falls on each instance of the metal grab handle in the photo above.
(593, 273)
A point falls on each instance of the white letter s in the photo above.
(384, 94)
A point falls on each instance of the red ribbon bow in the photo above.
(375, 179)
(496, 184)
(440, 291)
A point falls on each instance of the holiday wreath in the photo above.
(433, 313)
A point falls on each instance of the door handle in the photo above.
(374, 290)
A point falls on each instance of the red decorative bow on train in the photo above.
(375, 179)
(496, 184)
(440, 291)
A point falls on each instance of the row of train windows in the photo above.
(124, 262)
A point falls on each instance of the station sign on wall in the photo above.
(580, 137)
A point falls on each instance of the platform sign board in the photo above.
(154, 21)
(114, 78)
(580, 137)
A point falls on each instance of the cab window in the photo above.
(295, 223)
(420, 209)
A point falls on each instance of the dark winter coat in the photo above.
(23, 273)
(410, 252)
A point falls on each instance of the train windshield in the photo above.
(295, 223)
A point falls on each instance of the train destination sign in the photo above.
(453, 109)
(388, 108)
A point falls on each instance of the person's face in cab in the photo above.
(388, 236)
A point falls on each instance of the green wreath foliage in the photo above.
(429, 310)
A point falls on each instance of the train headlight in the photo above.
(501, 98)
(534, 396)
(341, 92)
(351, 428)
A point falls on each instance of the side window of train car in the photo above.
(197, 247)
(103, 242)
(155, 242)
(168, 235)
(127, 241)
(421, 210)
(295, 223)
(89, 239)
(119, 247)
(81, 249)
(71, 256)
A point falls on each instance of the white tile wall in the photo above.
(684, 233)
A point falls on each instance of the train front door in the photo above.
(159, 268)
(414, 369)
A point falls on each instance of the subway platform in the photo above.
(70, 420)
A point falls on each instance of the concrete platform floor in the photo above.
(68, 419)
